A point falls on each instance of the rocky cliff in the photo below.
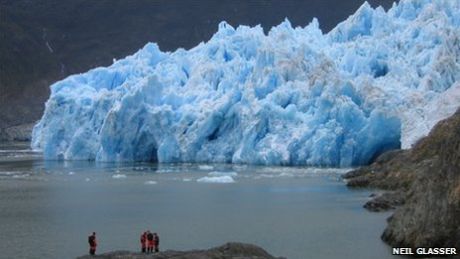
(426, 180)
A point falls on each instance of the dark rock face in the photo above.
(21, 132)
(386, 201)
(428, 176)
(227, 251)
(390, 171)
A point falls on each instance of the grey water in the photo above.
(48, 208)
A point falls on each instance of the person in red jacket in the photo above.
(92, 244)
(144, 241)
(149, 242)
(156, 242)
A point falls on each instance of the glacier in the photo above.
(378, 81)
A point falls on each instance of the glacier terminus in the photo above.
(379, 80)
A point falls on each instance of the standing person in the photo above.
(156, 242)
(92, 244)
(150, 242)
(143, 241)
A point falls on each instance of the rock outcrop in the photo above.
(22, 132)
(426, 180)
(226, 251)
(385, 201)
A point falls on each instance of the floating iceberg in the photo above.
(216, 179)
(217, 173)
(294, 96)
(205, 167)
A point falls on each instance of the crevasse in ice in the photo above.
(294, 96)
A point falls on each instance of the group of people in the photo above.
(149, 242)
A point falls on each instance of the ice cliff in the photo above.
(294, 96)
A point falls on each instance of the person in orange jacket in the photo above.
(144, 242)
(92, 244)
(149, 242)
(156, 242)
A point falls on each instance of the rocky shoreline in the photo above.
(226, 251)
(422, 184)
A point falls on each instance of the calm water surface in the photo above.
(47, 209)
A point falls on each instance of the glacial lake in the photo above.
(48, 208)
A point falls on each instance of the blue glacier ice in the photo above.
(295, 96)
